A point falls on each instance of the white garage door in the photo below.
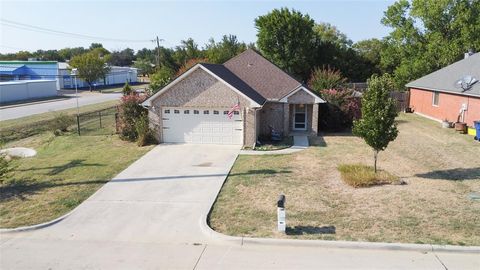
(201, 125)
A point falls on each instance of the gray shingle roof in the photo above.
(444, 80)
(262, 75)
(226, 75)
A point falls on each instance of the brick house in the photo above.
(194, 107)
(451, 93)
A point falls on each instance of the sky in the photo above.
(172, 21)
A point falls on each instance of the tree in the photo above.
(127, 90)
(121, 58)
(90, 67)
(326, 78)
(286, 38)
(370, 50)
(377, 125)
(160, 78)
(186, 51)
(428, 35)
(190, 63)
(220, 52)
(145, 67)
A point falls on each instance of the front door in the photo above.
(299, 117)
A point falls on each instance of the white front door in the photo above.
(299, 117)
(202, 126)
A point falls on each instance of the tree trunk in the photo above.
(375, 155)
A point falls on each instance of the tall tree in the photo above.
(228, 47)
(90, 67)
(370, 50)
(121, 58)
(144, 66)
(186, 51)
(428, 35)
(285, 38)
(377, 125)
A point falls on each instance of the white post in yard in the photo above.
(281, 216)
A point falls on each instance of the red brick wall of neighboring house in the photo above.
(449, 105)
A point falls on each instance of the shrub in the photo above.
(326, 78)
(127, 90)
(340, 110)
(144, 133)
(129, 111)
(359, 175)
(5, 168)
(61, 122)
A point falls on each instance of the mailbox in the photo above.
(281, 216)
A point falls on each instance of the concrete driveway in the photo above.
(150, 217)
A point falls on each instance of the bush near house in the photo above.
(133, 120)
(340, 110)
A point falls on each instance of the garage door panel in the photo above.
(202, 128)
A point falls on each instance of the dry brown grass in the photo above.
(440, 168)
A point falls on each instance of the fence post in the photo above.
(78, 124)
(100, 115)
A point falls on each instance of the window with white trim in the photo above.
(166, 111)
(186, 111)
(196, 112)
(215, 112)
(206, 112)
(176, 111)
(435, 98)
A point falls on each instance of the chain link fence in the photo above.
(101, 122)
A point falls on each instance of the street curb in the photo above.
(33, 103)
(285, 151)
(240, 240)
(38, 226)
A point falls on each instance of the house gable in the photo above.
(196, 84)
(302, 95)
(199, 89)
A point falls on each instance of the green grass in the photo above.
(359, 175)
(16, 129)
(432, 207)
(66, 171)
(269, 146)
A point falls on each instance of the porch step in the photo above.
(300, 141)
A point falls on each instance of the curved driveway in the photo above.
(150, 217)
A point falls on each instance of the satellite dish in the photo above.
(466, 82)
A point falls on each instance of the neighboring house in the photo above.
(451, 93)
(117, 75)
(194, 107)
(28, 70)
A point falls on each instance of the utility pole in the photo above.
(158, 53)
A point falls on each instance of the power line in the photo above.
(38, 29)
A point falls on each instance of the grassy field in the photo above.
(440, 169)
(20, 128)
(66, 171)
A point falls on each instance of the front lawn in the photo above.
(65, 172)
(440, 169)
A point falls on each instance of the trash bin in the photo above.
(477, 127)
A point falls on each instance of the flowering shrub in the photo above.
(341, 109)
(130, 111)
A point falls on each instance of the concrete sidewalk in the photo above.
(152, 216)
(300, 143)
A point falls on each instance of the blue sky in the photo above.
(170, 20)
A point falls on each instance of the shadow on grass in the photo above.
(456, 174)
(22, 188)
(317, 141)
(301, 230)
(61, 168)
(257, 172)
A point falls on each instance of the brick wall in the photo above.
(449, 105)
